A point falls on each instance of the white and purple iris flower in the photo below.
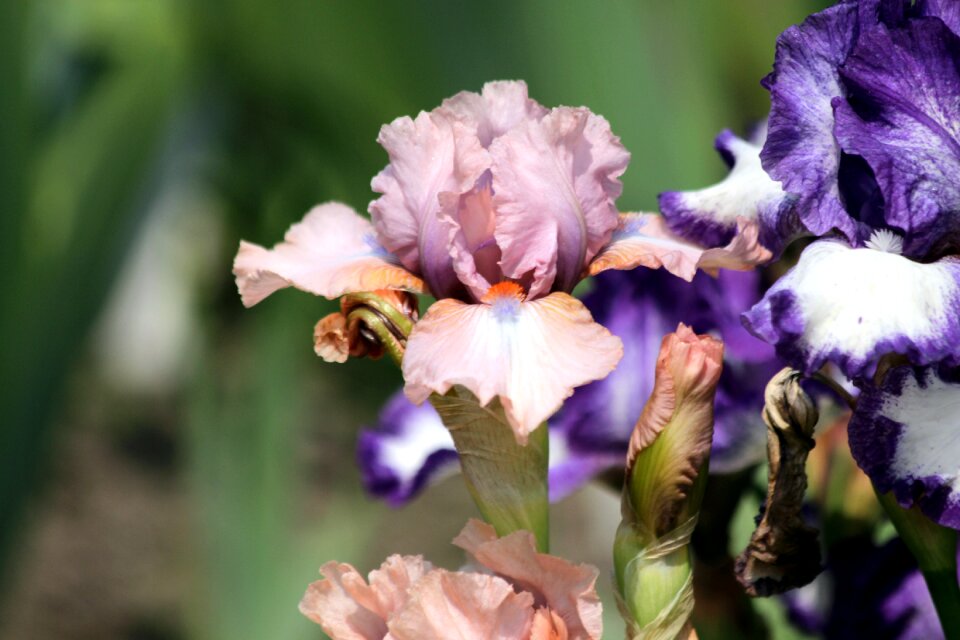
(862, 149)
(410, 447)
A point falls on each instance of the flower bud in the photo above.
(665, 478)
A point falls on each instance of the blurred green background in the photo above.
(172, 466)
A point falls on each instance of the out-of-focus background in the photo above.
(173, 466)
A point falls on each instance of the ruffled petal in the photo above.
(530, 354)
(555, 183)
(801, 152)
(429, 155)
(645, 240)
(904, 435)
(347, 608)
(332, 251)
(470, 221)
(903, 117)
(463, 606)
(499, 107)
(709, 216)
(852, 306)
(565, 588)
(409, 449)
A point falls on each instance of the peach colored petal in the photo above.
(332, 251)
(568, 590)
(530, 354)
(743, 253)
(644, 240)
(429, 155)
(347, 608)
(498, 108)
(547, 625)
(555, 182)
(333, 604)
(330, 339)
(463, 606)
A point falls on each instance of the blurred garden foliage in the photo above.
(139, 141)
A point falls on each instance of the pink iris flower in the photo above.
(515, 593)
(498, 207)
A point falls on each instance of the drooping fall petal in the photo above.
(645, 240)
(568, 590)
(903, 435)
(851, 306)
(332, 251)
(530, 354)
(555, 184)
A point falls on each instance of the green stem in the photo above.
(935, 549)
(507, 480)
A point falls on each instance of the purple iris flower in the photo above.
(862, 149)
(866, 591)
(410, 446)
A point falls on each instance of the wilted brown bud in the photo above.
(784, 552)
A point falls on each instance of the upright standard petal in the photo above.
(470, 222)
(529, 353)
(709, 216)
(463, 606)
(347, 608)
(800, 151)
(904, 435)
(852, 306)
(645, 240)
(409, 448)
(903, 117)
(332, 251)
(429, 155)
(555, 183)
(499, 107)
(566, 589)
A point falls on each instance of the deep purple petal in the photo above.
(903, 116)
(903, 435)
(946, 10)
(801, 151)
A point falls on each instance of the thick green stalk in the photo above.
(508, 481)
(935, 549)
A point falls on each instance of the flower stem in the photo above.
(507, 480)
(935, 549)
